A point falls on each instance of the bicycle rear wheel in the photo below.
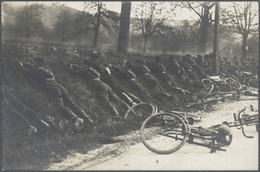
(141, 111)
(204, 92)
(164, 133)
(234, 88)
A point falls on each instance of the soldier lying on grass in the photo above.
(11, 100)
(56, 93)
(105, 76)
(103, 93)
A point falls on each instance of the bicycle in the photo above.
(241, 120)
(167, 132)
(200, 95)
(224, 85)
(141, 111)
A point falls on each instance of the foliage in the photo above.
(203, 10)
(160, 27)
(28, 18)
(63, 23)
(149, 17)
(109, 20)
(240, 18)
(185, 35)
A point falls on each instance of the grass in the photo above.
(46, 146)
(51, 145)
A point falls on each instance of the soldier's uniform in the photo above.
(159, 71)
(107, 78)
(174, 67)
(189, 70)
(236, 62)
(102, 91)
(55, 91)
(197, 68)
(129, 78)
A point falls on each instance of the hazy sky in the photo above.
(182, 14)
(116, 6)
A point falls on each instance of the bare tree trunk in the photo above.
(97, 27)
(123, 39)
(204, 35)
(63, 33)
(27, 22)
(244, 45)
(165, 50)
(145, 42)
(228, 54)
(27, 33)
(183, 52)
(216, 40)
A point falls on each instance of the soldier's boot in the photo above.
(83, 113)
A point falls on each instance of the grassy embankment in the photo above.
(36, 152)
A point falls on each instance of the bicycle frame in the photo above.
(175, 126)
(240, 122)
(206, 136)
(220, 81)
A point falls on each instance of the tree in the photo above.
(241, 17)
(185, 35)
(82, 24)
(253, 45)
(108, 19)
(165, 35)
(149, 16)
(28, 18)
(155, 44)
(206, 19)
(63, 23)
(123, 40)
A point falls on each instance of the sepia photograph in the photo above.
(129, 85)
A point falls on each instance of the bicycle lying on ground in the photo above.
(141, 111)
(165, 132)
(224, 85)
(241, 120)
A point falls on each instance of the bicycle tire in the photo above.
(185, 119)
(164, 133)
(186, 115)
(205, 91)
(141, 111)
(234, 88)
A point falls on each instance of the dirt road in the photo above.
(242, 154)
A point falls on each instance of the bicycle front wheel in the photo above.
(234, 88)
(141, 111)
(164, 133)
(205, 91)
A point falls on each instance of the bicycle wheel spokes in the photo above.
(233, 88)
(140, 111)
(206, 90)
(164, 133)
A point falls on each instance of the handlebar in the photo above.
(240, 111)
(241, 123)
